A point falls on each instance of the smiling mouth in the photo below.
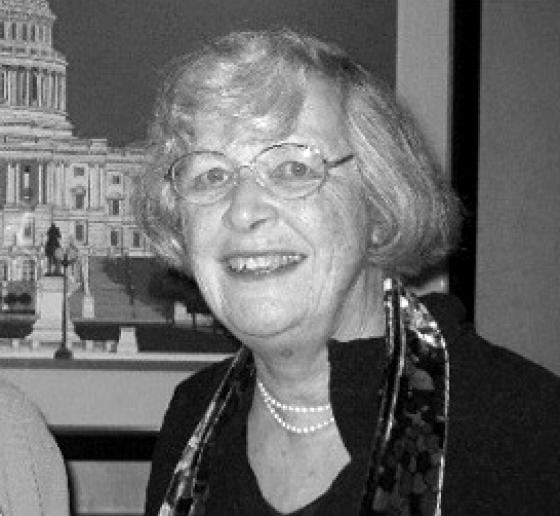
(263, 264)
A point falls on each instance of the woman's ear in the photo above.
(379, 232)
(182, 256)
(376, 236)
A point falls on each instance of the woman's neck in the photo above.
(298, 369)
(296, 380)
(362, 315)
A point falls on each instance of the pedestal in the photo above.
(48, 327)
(127, 341)
(180, 314)
(88, 307)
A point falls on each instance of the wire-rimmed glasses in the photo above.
(286, 170)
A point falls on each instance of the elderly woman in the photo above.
(299, 197)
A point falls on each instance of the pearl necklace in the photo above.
(272, 404)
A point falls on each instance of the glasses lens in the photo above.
(291, 170)
(288, 171)
(202, 176)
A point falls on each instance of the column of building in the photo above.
(60, 184)
(40, 180)
(45, 87)
(13, 184)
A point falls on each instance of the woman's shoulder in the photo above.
(189, 401)
(199, 387)
(504, 422)
(467, 348)
(479, 368)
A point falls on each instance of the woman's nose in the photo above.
(250, 205)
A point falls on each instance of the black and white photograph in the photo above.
(279, 258)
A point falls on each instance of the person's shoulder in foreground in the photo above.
(33, 479)
(503, 453)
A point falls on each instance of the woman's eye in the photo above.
(293, 170)
(212, 178)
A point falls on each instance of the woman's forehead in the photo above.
(320, 122)
(322, 116)
(216, 134)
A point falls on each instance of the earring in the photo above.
(377, 236)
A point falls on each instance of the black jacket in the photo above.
(503, 455)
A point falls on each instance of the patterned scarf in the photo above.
(405, 473)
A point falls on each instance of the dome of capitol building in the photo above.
(28, 7)
(32, 72)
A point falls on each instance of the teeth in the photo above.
(262, 263)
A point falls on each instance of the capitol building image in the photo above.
(47, 175)
(51, 178)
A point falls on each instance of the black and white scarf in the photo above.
(407, 458)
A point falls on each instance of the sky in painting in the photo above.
(116, 49)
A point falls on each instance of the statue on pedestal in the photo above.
(53, 243)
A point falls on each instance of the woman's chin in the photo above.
(259, 329)
(260, 322)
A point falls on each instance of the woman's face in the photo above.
(271, 268)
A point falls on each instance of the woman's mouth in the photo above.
(263, 263)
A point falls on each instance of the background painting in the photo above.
(78, 172)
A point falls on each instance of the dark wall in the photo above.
(464, 144)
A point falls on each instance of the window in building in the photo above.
(44, 90)
(24, 32)
(2, 35)
(34, 88)
(79, 171)
(43, 185)
(79, 200)
(28, 228)
(116, 179)
(3, 84)
(136, 239)
(80, 233)
(41, 33)
(14, 30)
(53, 81)
(26, 185)
(3, 270)
(59, 92)
(33, 33)
(28, 269)
(19, 87)
(114, 238)
(114, 207)
(23, 85)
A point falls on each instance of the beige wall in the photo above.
(104, 395)
(423, 68)
(518, 261)
(423, 82)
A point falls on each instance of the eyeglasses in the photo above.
(286, 170)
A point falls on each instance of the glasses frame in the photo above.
(171, 175)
